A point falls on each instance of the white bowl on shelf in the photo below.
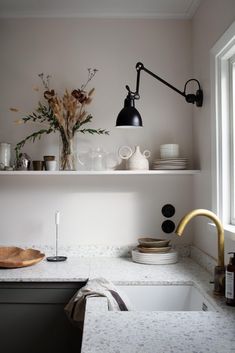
(170, 150)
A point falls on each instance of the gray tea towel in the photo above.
(97, 287)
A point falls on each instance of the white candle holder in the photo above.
(56, 258)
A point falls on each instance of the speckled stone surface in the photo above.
(123, 270)
(100, 250)
(74, 269)
(88, 250)
(158, 332)
(141, 332)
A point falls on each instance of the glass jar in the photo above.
(5, 155)
(98, 159)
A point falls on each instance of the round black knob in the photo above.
(168, 226)
(168, 210)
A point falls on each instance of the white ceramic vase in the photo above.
(135, 160)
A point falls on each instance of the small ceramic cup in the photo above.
(38, 165)
(51, 165)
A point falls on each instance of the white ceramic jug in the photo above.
(135, 160)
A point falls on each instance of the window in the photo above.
(232, 119)
(223, 128)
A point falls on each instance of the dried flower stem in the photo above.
(91, 74)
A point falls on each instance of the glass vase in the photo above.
(68, 153)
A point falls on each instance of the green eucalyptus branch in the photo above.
(32, 137)
(79, 124)
(89, 131)
(94, 131)
(87, 120)
(43, 113)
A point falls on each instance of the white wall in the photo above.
(210, 22)
(103, 210)
(107, 210)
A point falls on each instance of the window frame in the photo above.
(221, 126)
(232, 126)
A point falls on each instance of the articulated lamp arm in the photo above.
(190, 98)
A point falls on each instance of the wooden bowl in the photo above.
(14, 257)
(153, 242)
(153, 250)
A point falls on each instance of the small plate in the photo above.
(153, 242)
(153, 250)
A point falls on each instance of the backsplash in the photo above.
(203, 259)
(104, 210)
(101, 250)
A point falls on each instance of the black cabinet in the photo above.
(32, 318)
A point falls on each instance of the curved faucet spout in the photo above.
(220, 231)
(219, 272)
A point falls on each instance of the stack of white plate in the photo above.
(170, 163)
(170, 257)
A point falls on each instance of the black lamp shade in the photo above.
(129, 115)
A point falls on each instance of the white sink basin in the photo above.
(166, 298)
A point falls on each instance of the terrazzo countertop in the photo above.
(74, 269)
(141, 332)
(157, 332)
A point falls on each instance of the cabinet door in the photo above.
(32, 318)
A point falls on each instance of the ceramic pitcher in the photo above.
(135, 160)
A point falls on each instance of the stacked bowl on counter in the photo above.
(154, 251)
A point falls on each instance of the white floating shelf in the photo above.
(96, 173)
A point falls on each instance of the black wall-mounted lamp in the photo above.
(129, 115)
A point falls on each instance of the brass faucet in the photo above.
(219, 273)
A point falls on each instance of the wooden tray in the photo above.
(13, 257)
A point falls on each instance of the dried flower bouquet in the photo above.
(66, 114)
